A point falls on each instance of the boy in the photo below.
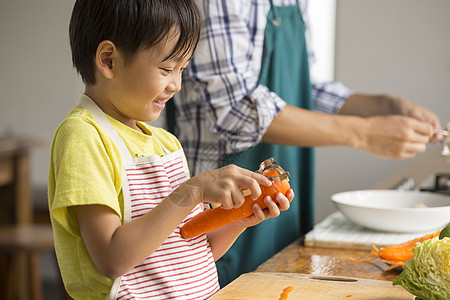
(119, 189)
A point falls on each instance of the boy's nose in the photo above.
(175, 85)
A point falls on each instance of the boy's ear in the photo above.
(106, 58)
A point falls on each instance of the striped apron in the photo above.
(179, 268)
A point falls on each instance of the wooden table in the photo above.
(298, 258)
(16, 203)
(16, 207)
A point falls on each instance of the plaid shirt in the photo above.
(221, 108)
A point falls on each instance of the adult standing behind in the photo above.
(247, 96)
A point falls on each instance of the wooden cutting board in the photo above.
(262, 285)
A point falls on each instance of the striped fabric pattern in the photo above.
(179, 268)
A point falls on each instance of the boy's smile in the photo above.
(139, 89)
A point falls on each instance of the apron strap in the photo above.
(100, 117)
(166, 151)
(276, 20)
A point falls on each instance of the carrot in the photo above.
(211, 219)
(417, 240)
(394, 254)
(286, 292)
(398, 254)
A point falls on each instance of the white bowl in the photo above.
(395, 211)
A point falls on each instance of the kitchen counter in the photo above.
(297, 258)
(322, 261)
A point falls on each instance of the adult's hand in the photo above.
(394, 136)
(408, 108)
(386, 135)
(365, 105)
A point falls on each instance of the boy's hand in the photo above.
(222, 186)
(274, 207)
(222, 238)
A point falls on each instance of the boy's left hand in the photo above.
(274, 207)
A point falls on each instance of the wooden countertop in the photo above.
(298, 258)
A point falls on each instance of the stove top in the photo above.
(440, 184)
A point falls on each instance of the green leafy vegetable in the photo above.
(427, 275)
(445, 232)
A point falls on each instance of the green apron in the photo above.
(285, 71)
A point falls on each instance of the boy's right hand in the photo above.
(223, 186)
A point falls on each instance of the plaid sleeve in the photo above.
(329, 96)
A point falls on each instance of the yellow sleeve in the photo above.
(85, 169)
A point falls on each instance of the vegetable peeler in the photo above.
(270, 163)
(445, 142)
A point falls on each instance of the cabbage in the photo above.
(427, 275)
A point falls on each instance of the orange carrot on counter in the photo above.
(413, 242)
(211, 219)
(398, 254)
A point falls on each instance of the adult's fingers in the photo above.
(419, 138)
(411, 149)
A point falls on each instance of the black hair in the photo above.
(132, 25)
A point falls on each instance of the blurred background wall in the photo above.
(400, 47)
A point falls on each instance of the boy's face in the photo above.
(140, 89)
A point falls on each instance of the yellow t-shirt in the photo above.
(86, 168)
